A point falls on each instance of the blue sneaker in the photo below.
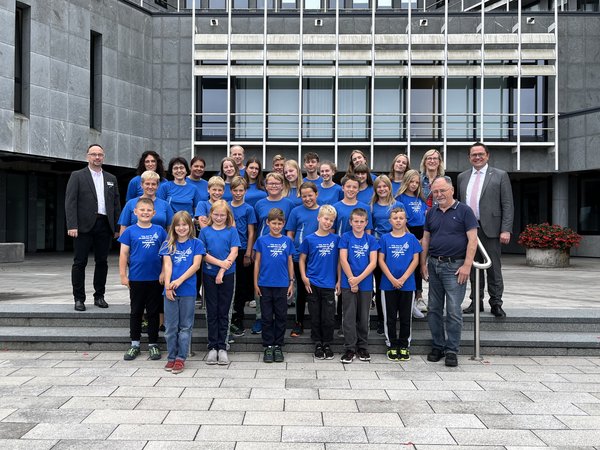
(257, 327)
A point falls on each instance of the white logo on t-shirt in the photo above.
(325, 249)
(277, 249)
(360, 251)
(399, 250)
(149, 240)
(181, 255)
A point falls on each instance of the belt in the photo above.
(447, 259)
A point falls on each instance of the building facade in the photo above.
(288, 77)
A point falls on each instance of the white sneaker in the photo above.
(252, 303)
(416, 312)
(223, 359)
(212, 357)
(421, 305)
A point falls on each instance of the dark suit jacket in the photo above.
(496, 209)
(81, 202)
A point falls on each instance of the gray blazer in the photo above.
(81, 202)
(496, 209)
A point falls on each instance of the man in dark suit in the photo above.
(488, 192)
(92, 208)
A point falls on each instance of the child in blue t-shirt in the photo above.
(302, 222)
(182, 256)
(347, 204)
(358, 258)
(245, 223)
(273, 283)
(222, 242)
(329, 192)
(216, 187)
(140, 244)
(319, 271)
(398, 259)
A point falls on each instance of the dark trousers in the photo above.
(217, 298)
(321, 307)
(300, 296)
(100, 239)
(418, 232)
(356, 307)
(145, 295)
(377, 273)
(244, 290)
(494, 273)
(273, 309)
(397, 304)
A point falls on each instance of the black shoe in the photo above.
(79, 306)
(380, 330)
(100, 303)
(327, 351)
(498, 311)
(435, 355)
(278, 354)
(471, 308)
(319, 353)
(451, 360)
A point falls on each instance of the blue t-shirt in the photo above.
(381, 218)
(366, 195)
(449, 229)
(182, 259)
(163, 216)
(134, 188)
(265, 205)
(227, 195)
(253, 194)
(322, 259)
(415, 210)
(318, 181)
(201, 185)
(203, 209)
(244, 215)
(293, 196)
(218, 243)
(144, 243)
(274, 253)
(359, 253)
(399, 252)
(395, 186)
(180, 197)
(302, 222)
(342, 221)
(330, 195)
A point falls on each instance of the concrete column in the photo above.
(560, 199)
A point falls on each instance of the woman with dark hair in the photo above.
(150, 160)
(365, 183)
(357, 158)
(400, 165)
(229, 170)
(181, 195)
(256, 183)
(197, 166)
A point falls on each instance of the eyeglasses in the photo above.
(432, 158)
(477, 155)
(440, 191)
(96, 155)
(274, 184)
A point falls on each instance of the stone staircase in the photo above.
(524, 332)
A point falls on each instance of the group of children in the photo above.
(319, 251)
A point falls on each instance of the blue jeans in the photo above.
(444, 289)
(179, 321)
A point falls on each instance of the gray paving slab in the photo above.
(447, 385)
(544, 408)
(323, 434)
(173, 404)
(320, 405)
(522, 422)
(421, 395)
(147, 391)
(470, 376)
(362, 419)
(6, 412)
(581, 377)
(23, 391)
(101, 403)
(194, 445)
(253, 383)
(592, 409)
(574, 387)
(118, 416)
(99, 445)
(14, 380)
(317, 383)
(282, 418)
(305, 393)
(572, 397)
(406, 406)
(249, 433)
(125, 381)
(104, 371)
(438, 420)
(41, 444)
(78, 356)
(354, 394)
(14, 430)
(465, 407)
(79, 431)
(401, 385)
(80, 391)
(569, 438)
(423, 376)
(15, 402)
(409, 436)
(497, 396)
(48, 415)
(289, 374)
(133, 432)
(579, 422)
(44, 372)
(62, 381)
(247, 404)
(216, 393)
(495, 437)
(514, 386)
(541, 377)
(232, 373)
(205, 417)
(175, 381)
(347, 375)
(280, 446)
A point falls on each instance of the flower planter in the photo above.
(546, 257)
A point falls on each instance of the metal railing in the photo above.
(479, 266)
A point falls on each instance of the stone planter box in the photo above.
(546, 257)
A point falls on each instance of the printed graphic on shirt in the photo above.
(325, 249)
(180, 256)
(277, 249)
(149, 240)
(360, 251)
(399, 250)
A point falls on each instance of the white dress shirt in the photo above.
(98, 178)
(470, 192)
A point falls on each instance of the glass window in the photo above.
(589, 205)
(312, 4)
(241, 4)
(282, 108)
(496, 124)
(460, 109)
(360, 4)
(211, 121)
(353, 108)
(216, 4)
(288, 4)
(425, 108)
(317, 108)
(384, 4)
(388, 123)
(96, 80)
(248, 109)
(533, 99)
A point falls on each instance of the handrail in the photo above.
(487, 263)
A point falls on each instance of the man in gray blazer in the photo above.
(92, 208)
(488, 192)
